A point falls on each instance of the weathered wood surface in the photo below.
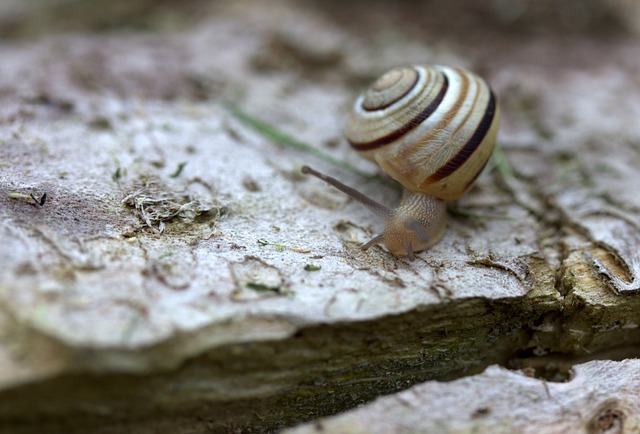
(182, 275)
(601, 397)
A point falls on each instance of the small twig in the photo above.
(26, 197)
(40, 201)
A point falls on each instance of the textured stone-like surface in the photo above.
(601, 397)
(180, 250)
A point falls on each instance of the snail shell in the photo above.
(431, 128)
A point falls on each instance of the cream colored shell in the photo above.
(431, 128)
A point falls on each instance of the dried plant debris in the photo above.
(281, 247)
(156, 203)
(178, 170)
(55, 103)
(100, 123)
(29, 197)
(255, 279)
(251, 184)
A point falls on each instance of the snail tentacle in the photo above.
(374, 206)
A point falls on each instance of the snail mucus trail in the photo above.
(432, 129)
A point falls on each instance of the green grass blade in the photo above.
(275, 135)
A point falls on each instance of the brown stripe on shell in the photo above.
(469, 148)
(472, 180)
(395, 135)
(408, 152)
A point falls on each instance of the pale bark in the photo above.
(601, 397)
(182, 274)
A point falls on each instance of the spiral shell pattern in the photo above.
(432, 128)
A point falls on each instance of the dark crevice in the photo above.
(325, 369)
(558, 366)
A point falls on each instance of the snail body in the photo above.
(432, 129)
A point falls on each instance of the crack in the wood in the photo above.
(547, 201)
(632, 269)
(490, 263)
(615, 282)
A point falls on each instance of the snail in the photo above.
(432, 129)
